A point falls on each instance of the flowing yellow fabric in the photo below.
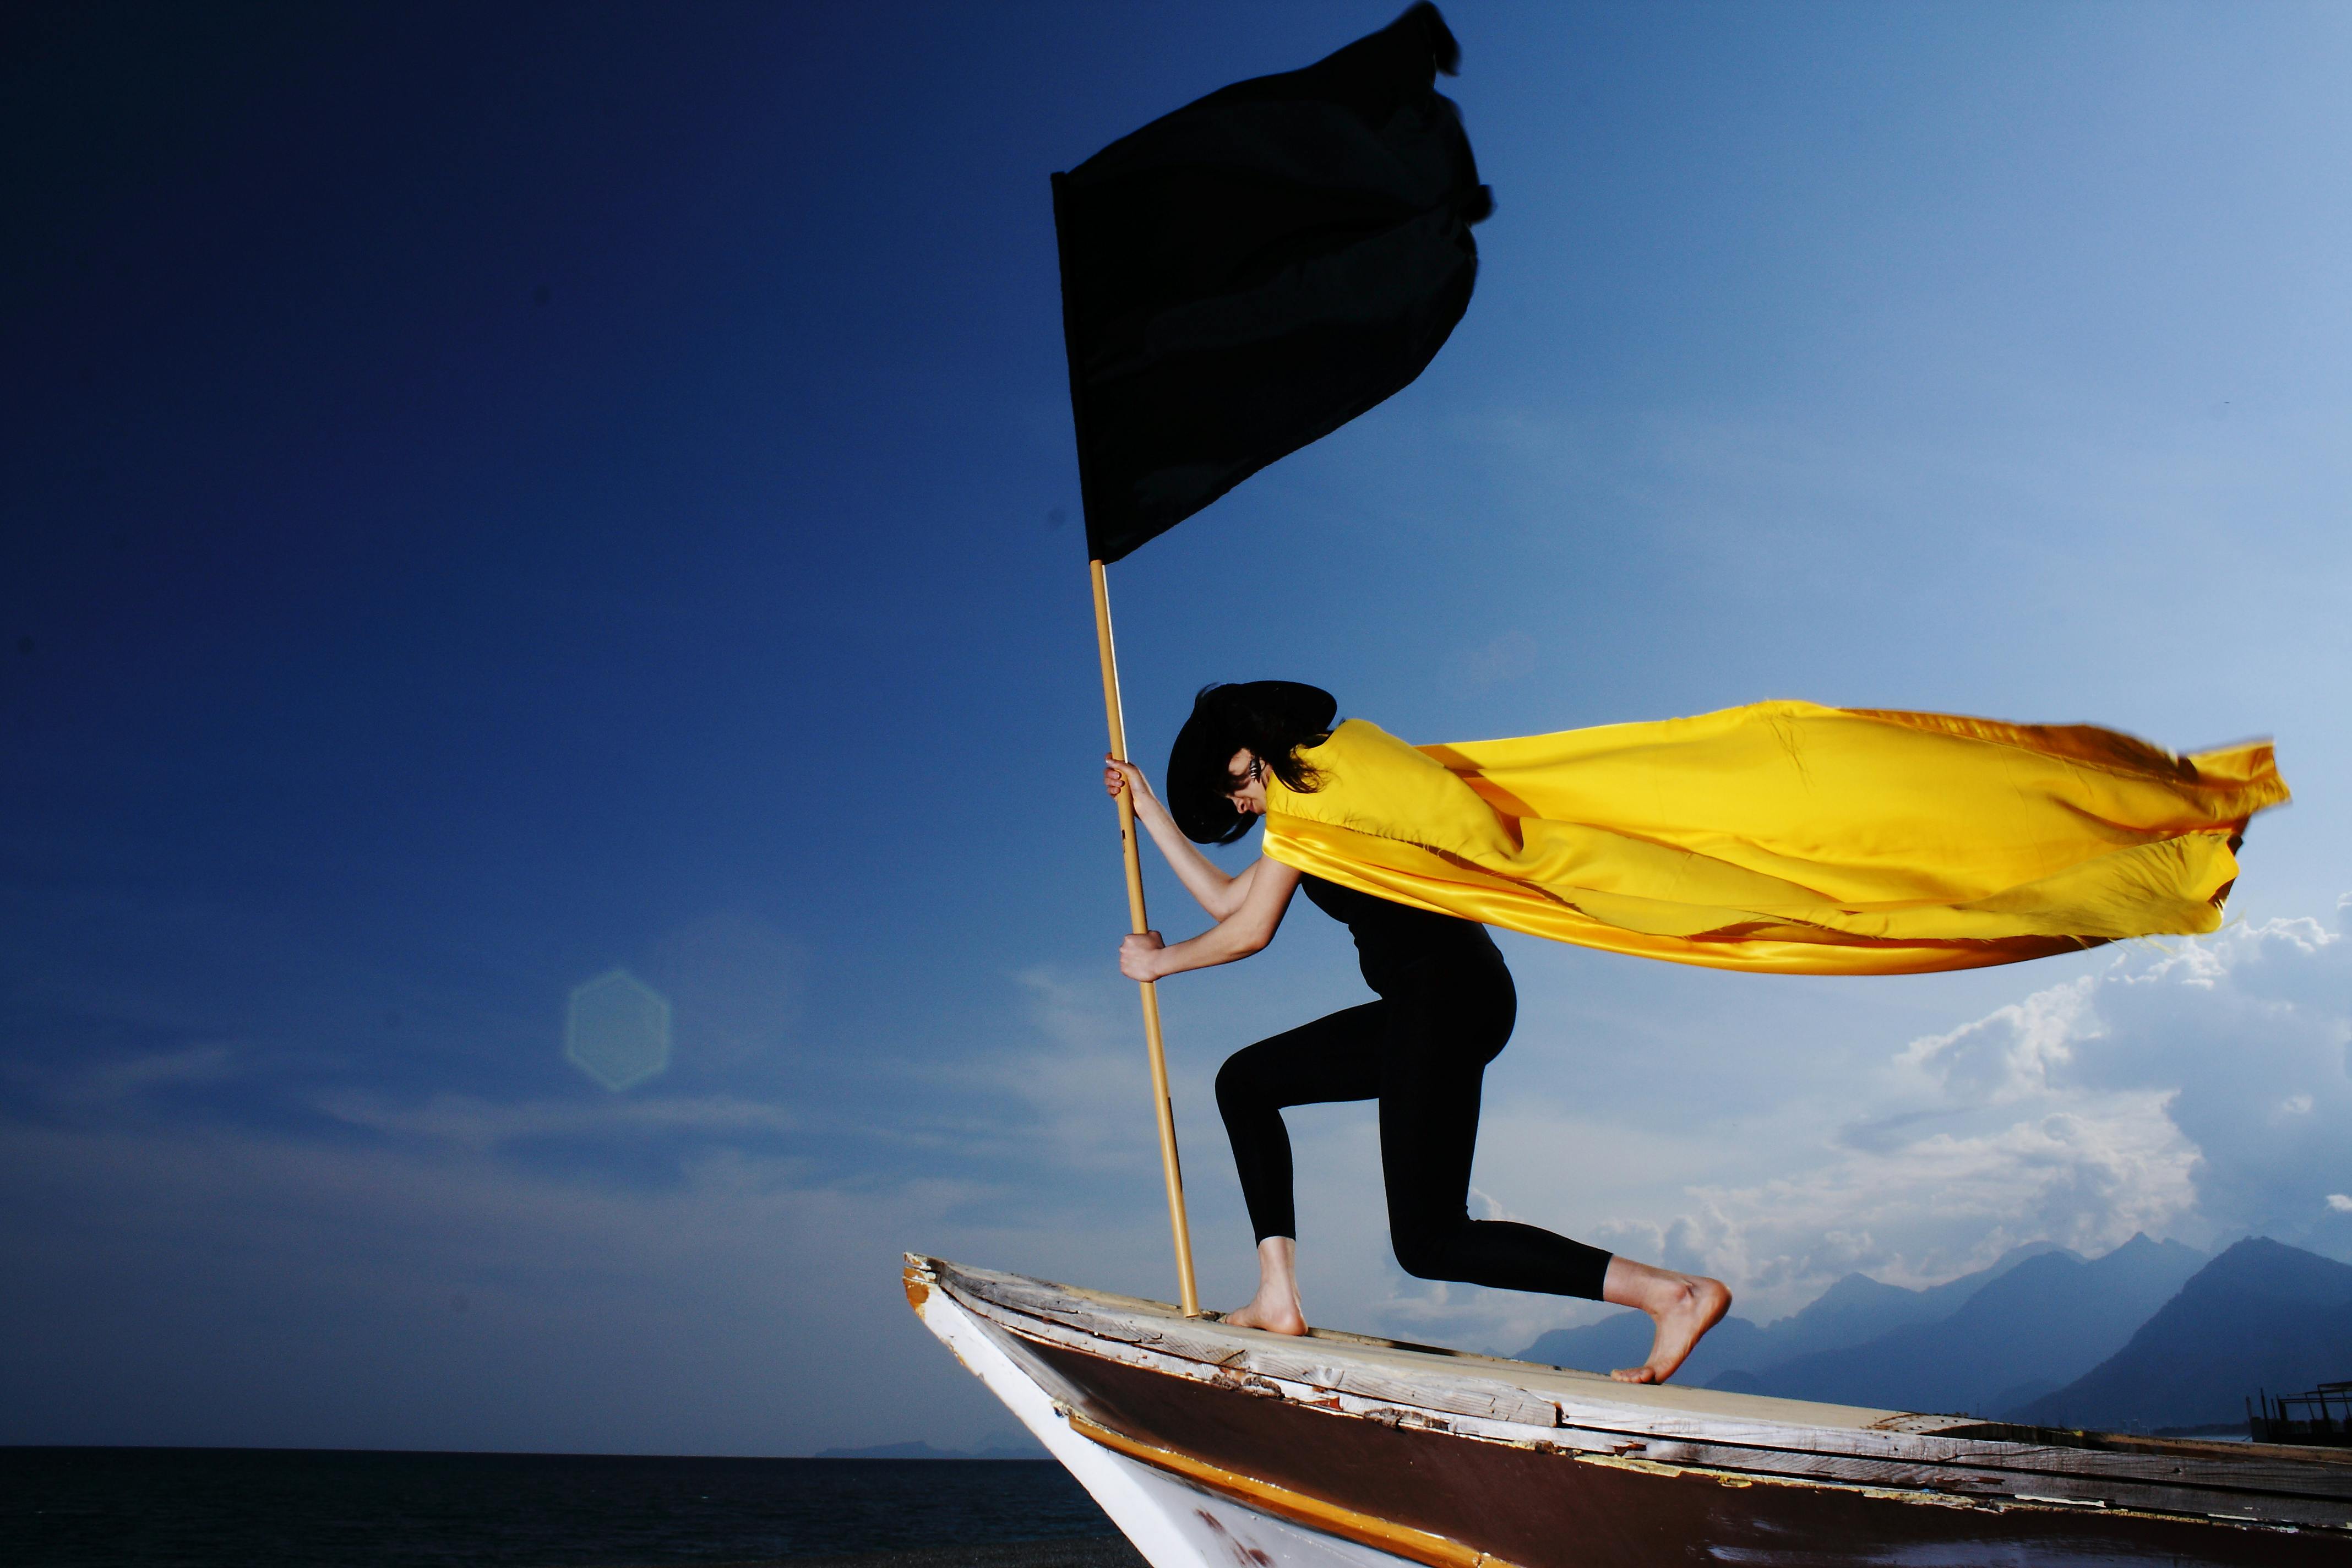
(1788, 838)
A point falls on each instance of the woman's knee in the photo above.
(1429, 1249)
(1241, 1085)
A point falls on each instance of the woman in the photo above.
(1445, 1010)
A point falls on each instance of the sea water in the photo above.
(238, 1508)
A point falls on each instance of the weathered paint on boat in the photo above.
(1222, 1447)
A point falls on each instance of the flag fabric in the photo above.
(1246, 275)
(1787, 838)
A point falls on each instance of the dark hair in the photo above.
(1271, 720)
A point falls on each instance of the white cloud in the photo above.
(2010, 1054)
(470, 1123)
(129, 1079)
(2084, 1171)
(2339, 1203)
(1075, 1095)
(203, 1284)
(2081, 1113)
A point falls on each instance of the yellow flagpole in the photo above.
(1169, 1168)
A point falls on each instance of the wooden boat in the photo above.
(1224, 1447)
(2302, 1418)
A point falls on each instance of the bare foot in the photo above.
(1275, 1318)
(1275, 1306)
(1683, 1307)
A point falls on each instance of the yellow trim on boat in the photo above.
(1364, 1529)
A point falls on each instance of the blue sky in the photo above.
(492, 497)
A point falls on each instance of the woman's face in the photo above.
(1249, 776)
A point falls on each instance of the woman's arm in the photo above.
(1247, 928)
(1219, 894)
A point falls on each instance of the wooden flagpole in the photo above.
(1170, 1170)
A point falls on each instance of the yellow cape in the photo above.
(1788, 838)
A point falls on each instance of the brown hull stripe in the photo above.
(1330, 1518)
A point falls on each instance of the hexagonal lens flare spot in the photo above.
(617, 1030)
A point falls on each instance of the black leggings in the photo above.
(1421, 1051)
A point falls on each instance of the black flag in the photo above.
(1246, 275)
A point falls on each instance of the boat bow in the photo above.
(1215, 1446)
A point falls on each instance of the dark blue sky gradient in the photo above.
(488, 495)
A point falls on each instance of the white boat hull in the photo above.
(1174, 1523)
(1219, 1447)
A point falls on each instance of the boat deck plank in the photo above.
(1707, 1427)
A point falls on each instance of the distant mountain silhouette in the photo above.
(1623, 1339)
(2262, 1315)
(995, 1446)
(1854, 1310)
(1940, 1302)
(2030, 1330)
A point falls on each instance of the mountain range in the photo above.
(2019, 1336)
(1855, 1310)
(2151, 1335)
(2263, 1316)
(999, 1445)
